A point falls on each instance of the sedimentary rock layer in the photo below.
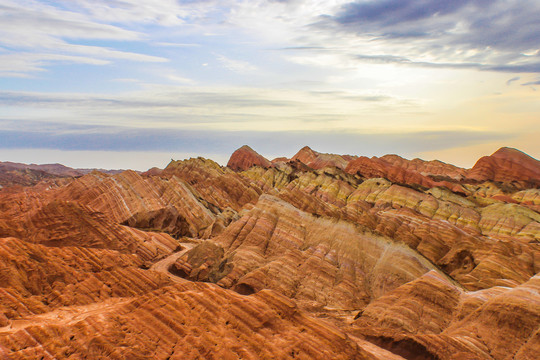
(507, 165)
(185, 321)
(246, 157)
(321, 256)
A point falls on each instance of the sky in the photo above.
(134, 84)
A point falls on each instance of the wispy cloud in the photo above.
(238, 66)
(500, 36)
(534, 82)
(203, 108)
(23, 64)
(514, 79)
(160, 12)
(38, 34)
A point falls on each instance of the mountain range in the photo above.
(320, 256)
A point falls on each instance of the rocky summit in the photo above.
(318, 256)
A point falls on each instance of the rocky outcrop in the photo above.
(507, 165)
(10, 176)
(219, 187)
(151, 203)
(425, 305)
(317, 160)
(432, 318)
(435, 169)
(379, 168)
(246, 157)
(319, 262)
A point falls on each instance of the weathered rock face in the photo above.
(220, 188)
(433, 318)
(319, 262)
(507, 165)
(397, 173)
(187, 321)
(433, 168)
(246, 157)
(36, 279)
(317, 160)
(319, 257)
(151, 203)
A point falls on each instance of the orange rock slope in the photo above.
(507, 165)
(321, 256)
(246, 157)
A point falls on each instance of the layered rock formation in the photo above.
(430, 318)
(433, 168)
(317, 160)
(321, 256)
(319, 262)
(246, 157)
(507, 165)
(185, 321)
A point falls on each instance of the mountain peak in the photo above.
(305, 155)
(306, 148)
(246, 148)
(245, 157)
(513, 155)
(317, 160)
(306, 151)
(507, 164)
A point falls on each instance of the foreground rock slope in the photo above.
(321, 256)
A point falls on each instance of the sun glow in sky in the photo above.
(131, 84)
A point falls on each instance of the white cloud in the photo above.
(24, 64)
(37, 35)
(160, 12)
(31, 23)
(238, 66)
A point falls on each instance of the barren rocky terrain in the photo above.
(321, 256)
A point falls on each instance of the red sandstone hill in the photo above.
(318, 257)
(246, 157)
(317, 160)
(507, 165)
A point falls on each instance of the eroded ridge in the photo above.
(321, 256)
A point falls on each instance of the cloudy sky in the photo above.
(131, 83)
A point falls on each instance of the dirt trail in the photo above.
(163, 265)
